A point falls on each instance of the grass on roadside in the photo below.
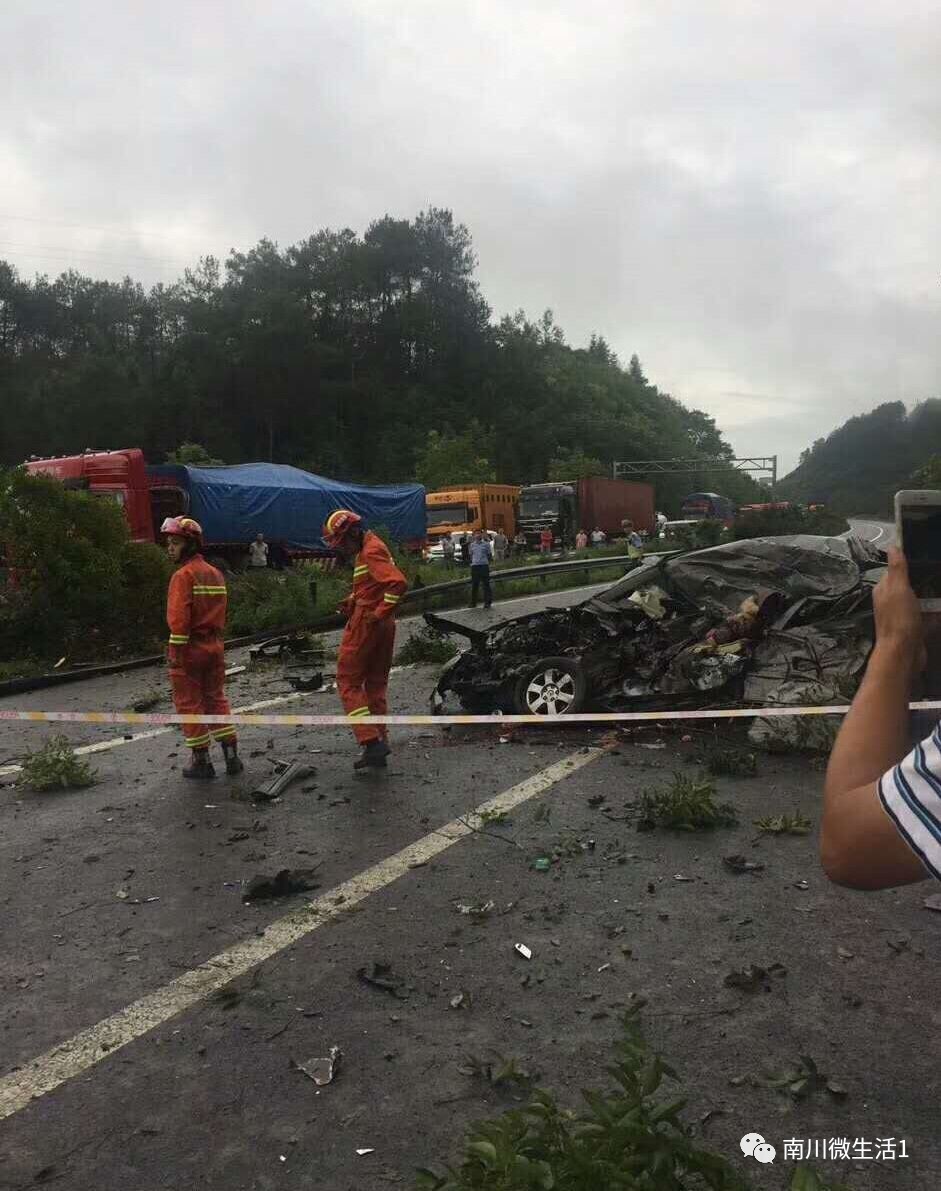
(796, 824)
(56, 767)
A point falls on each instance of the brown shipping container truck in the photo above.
(595, 502)
(606, 503)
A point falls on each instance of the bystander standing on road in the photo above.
(598, 536)
(545, 541)
(465, 550)
(500, 544)
(881, 823)
(519, 544)
(481, 552)
(447, 551)
(581, 540)
(635, 545)
(258, 553)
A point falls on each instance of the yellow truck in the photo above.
(463, 508)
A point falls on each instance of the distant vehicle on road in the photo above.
(593, 502)
(462, 508)
(235, 504)
(708, 506)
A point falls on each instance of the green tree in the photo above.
(448, 458)
(573, 464)
(194, 455)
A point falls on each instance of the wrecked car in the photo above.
(765, 620)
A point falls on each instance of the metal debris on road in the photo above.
(475, 909)
(285, 882)
(380, 975)
(523, 950)
(740, 864)
(286, 772)
(322, 1070)
(362, 1152)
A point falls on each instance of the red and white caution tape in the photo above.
(241, 719)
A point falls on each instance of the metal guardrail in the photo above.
(415, 596)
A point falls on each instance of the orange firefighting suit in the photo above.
(196, 603)
(365, 657)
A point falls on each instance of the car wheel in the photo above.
(553, 687)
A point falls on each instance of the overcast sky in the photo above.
(745, 194)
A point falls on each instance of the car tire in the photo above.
(553, 687)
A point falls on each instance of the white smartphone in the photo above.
(918, 532)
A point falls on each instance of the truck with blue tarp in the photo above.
(234, 504)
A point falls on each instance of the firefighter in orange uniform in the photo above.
(365, 656)
(196, 604)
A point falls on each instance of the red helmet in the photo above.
(338, 525)
(183, 527)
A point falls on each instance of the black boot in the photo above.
(233, 762)
(374, 756)
(200, 769)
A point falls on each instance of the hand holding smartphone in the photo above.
(918, 532)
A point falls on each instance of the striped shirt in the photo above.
(911, 796)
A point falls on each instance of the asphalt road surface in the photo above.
(151, 1021)
(879, 533)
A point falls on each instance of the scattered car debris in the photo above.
(741, 864)
(363, 1152)
(754, 978)
(765, 620)
(458, 1001)
(284, 883)
(322, 1070)
(933, 902)
(286, 772)
(299, 683)
(523, 950)
(476, 909)
(379, 975)
(147, 703)
(542, 864)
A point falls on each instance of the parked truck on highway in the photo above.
(233, 504)
(462, 508)
(589, 503)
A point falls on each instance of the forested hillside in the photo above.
(339, 354)
(859, 466)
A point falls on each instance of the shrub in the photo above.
(145, 575)
(630, 1136)
(269, 600)
(64, 551)
(767, 523)
(687, 804)
(426, 647)
(56, 767)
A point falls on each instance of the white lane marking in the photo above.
(88, 1047)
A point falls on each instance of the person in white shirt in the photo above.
(598, 536)
(447, 550)
(500, 544)
(881, 824)
(258, 553)
(481, 552)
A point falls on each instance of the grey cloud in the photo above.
(743, 194)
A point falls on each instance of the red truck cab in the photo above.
(120, 476)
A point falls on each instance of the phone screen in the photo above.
(921, 541)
